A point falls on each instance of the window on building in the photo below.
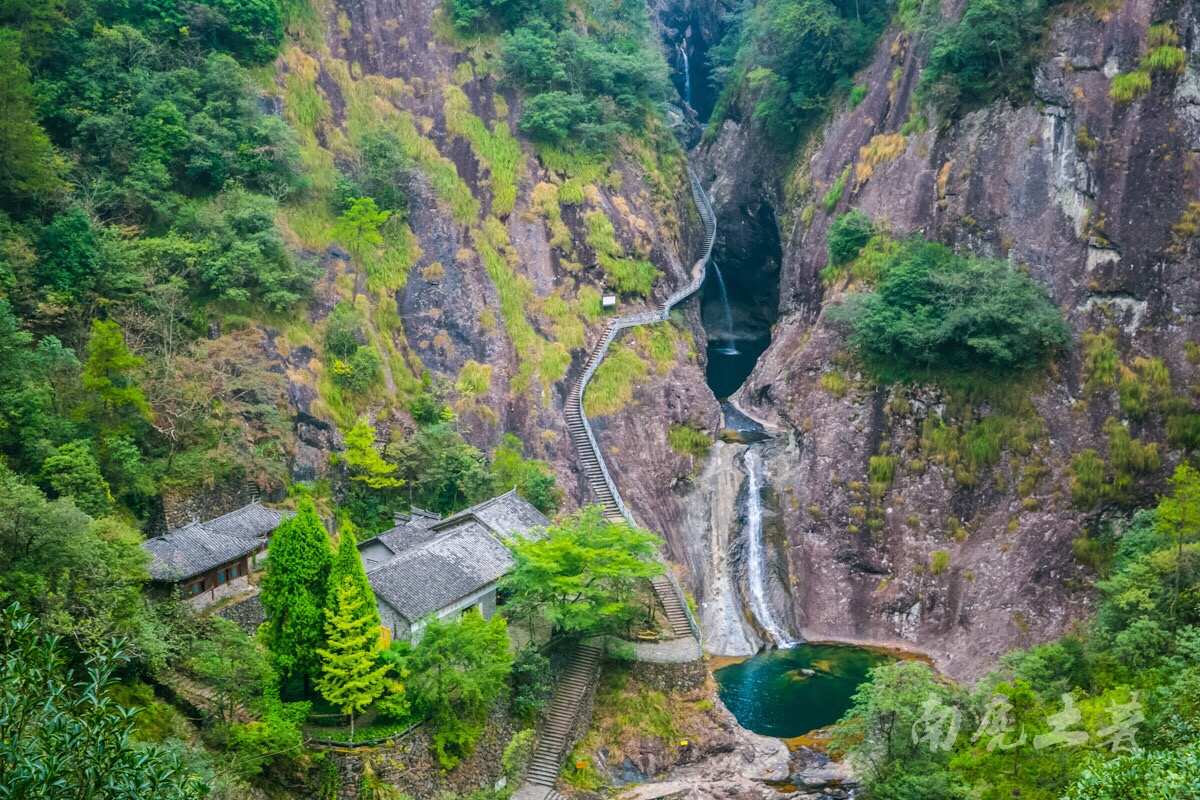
(233, 571)
(221, 576)
(196, 588)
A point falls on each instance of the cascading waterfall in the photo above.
(687, 72)
(730, 348)
(757, 555)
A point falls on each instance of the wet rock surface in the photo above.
(1083, 194)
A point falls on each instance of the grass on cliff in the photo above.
(626, 275)
(496, 149)
(612, 385)
(688, 441)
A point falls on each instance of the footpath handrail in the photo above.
(709, 222)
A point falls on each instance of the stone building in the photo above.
(209, 561)
(426, 566)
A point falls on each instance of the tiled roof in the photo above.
(433, 575)
(434, 562)
(200, 546)
(504, 516)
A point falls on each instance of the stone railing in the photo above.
(709, 222)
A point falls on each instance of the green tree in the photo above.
(1179, 518)
(848, 235)
(73, 472)
(29, 165)
(366, 464)
(62, 737)
(585, 575)
(352, 675)
(110, 373)
(935, 311)
(357, 229)
(455, 673)
(876, 735)
(232, 664)
(533, 480)
(347, 568)
(293, 593)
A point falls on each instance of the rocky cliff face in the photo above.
(1095, 200)
(394, 64)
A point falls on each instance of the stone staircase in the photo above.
(581, 669)
(677, 613)
(547, 758)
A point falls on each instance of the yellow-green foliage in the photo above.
(571, 192)
(881, 149)
(867, 268)
(387, 268)
(1130, 86)
(611, 387)
(538, 358)
(659, 343)
(976, 443)
(442, 173)
(835, 383)
(1129, 458)
(1165, 60)
(939, 561)
(1100, 359)
(830, 200)
(544, 201)
(1163, 56)
(881, 469)
(627, 275)
(590, 304)
(474, 379)
(565, 320)
(496, 150)
(1086, 478)
(586, 167)
(1146, 386)
(688, 441)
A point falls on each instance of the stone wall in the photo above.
(220, 592)
(677, 676)
(247, 614)
(410, 766)
(180, 507)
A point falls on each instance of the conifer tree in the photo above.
(348, 567)
(351, 671)
(293, 593)
(366, 464)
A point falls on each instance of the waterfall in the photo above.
(756, 548)
(687, 72)
(730, 348)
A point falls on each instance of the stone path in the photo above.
(574, 683)
(547, 759)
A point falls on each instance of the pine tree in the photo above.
(109, 373)
(348, 567)
(366, 464)
(351, 672)
(294, 591)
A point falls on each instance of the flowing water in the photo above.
(756, 562)
(730, 348)
(687, 72)
(791, 692)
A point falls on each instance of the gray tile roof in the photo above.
(433, 575)
(504, 516)
(436, 562)
(199, 547)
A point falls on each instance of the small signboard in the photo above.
(608, 301)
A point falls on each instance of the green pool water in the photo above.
(770, 695)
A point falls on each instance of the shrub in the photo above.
(937, 312)
(988, 53)
(1100, 360)
(939, 561)
(688, 441)
(1130, 86)
(848, 235)
(474, 379)
(517, 754)
(1086, 476)
(857, 95)
(834, 195)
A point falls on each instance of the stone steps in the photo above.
(560, 719)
